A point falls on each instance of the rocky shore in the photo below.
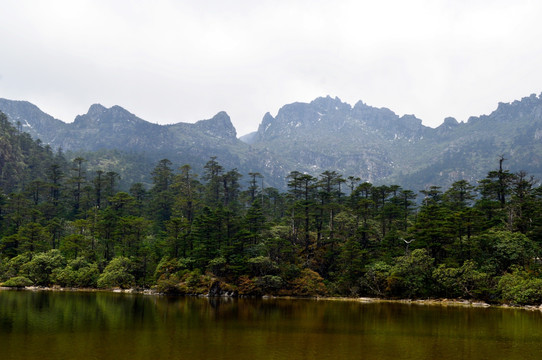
(214, 294)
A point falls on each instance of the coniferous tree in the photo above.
(77, 181)
(161, 194)
(302, 188)
(213, 176)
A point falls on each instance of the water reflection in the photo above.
(116, 326)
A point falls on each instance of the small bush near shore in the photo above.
(18, 282)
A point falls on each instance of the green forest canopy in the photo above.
(325, 235)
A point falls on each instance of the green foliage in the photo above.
(22, 160)
(410, 276)
(500, 249)
(262, 265)
(271, 284)
(519, 287)
(350, 265)
(170, 285)
(168, 267)
(465, 281)
(217, 265)
(376, 278)
(77, 273)
(194, 282)
(433, 230)
(13, 266)
(169, 272)
(33, 237)
(41, 267)
(73, 245)
(18, 282)
(117, 274)
(189, 237)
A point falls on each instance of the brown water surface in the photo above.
(81, 326)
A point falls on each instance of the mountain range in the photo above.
(374, 144)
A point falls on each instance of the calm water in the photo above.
(81, 326)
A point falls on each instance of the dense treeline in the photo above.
(23, 161)
(326, 235)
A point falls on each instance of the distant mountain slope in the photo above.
(23, 161)
(455, 151)
(379, 146)
(329, 134)
(118, 136)
(29, 118)
(374, 144)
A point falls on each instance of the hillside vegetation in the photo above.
(205, 233)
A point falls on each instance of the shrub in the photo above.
(465, 281)
(42, 265)
(520, 288)
(501, 249)
(169, 285)
(117, 274)
(217, 266)
(248, 286)
(269, 284)
(166, 268)
(310, 283)
(262, 265)
(18, 282)
(14, 265)
(375, 279)
(78, 273)
(411, 274)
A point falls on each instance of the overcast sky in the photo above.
(173, 61)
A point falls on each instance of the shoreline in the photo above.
(366, 300)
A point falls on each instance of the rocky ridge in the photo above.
(374, 144)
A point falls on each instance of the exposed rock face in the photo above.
(380, 146)
(220, 126)
(374, 144)
(113, 128)
(329, 134)
(116, 132)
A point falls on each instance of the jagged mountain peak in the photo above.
(300, 116)
(530, 106)
(115, 115)
(409, 118)
(323, 134)
(329, 104)
(362, 109)
(528, 101)
(96, 110)
(219, 125)
(267, 117)
(450, 122)
(327, 116)
(221, 118)
(447, 128)
(266, 123)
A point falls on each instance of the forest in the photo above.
(222, 232)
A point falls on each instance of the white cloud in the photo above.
(170, 61)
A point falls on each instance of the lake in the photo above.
(100, 325)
